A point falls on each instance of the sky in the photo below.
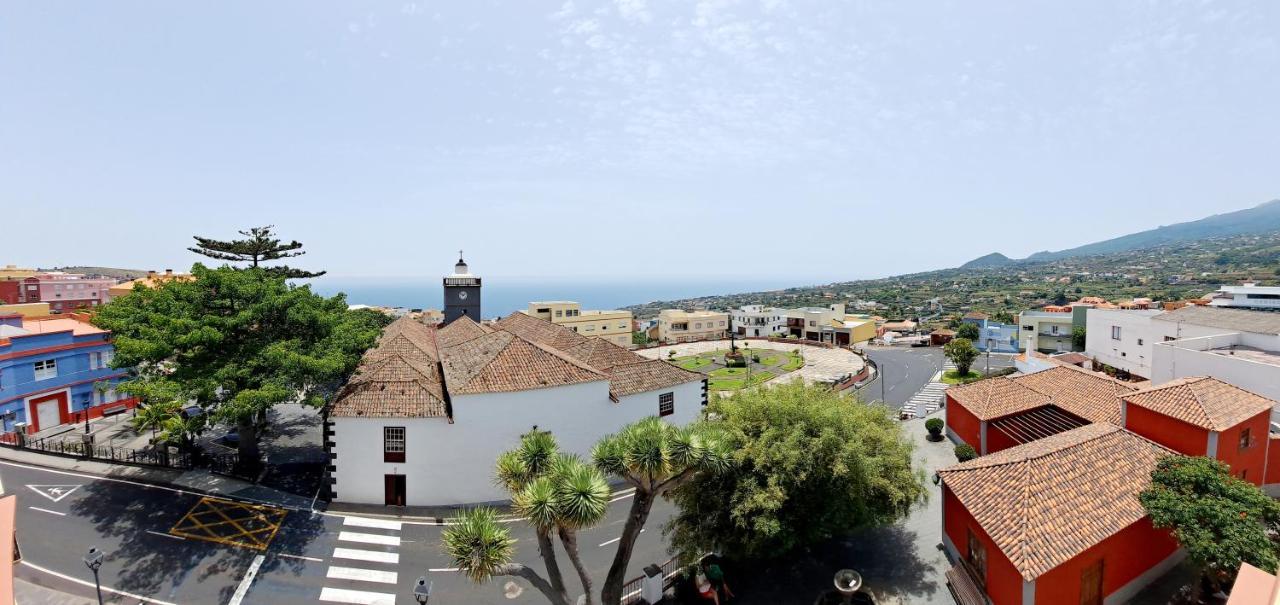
(632, 139)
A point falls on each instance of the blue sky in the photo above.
(821, 140)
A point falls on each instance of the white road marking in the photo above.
(443, 569)
(371, 522)
(366, 555)
(608, 542)
(122, 593)
(289, 556)
(243, 588)
(356, 597)
(351, 536)
(363, 575)
(45, 510)
(171, 536)
(54, 492)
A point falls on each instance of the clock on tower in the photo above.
(461, 293)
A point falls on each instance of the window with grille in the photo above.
(393, 444)
(666, 404)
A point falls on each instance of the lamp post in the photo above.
(422, 590)
(93, 560)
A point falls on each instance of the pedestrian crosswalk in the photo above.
(358, 575)
(928, 399)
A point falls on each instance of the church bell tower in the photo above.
(461, 293)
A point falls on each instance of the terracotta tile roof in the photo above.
(409, 337)
(502, 362)
(602, 354)
(1203, 401)
(1072, 358)
(540, 331)
(996, 397)
(461, 330)
(392, 385)
(647, 375)
(1047, 501)
(1090, 395)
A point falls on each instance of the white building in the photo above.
(1237, 346)
(426, 415)
(759, 320)
(1247, 296)
(1046, 331)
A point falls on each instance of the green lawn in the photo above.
(954, 377)
(727, 372)
(733, 384)
(772, 360)
(794, 362)
(692, 363)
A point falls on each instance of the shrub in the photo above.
(934, 426)
(965, 452)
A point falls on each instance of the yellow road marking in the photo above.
(241, 524)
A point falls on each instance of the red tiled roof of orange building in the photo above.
(1047, 501)
(502, 361)
(1203, 401)
(1089, 395)
(996, 397)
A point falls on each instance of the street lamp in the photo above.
(422, 590)
(93, 560)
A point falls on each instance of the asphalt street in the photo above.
(905, 370)
(344, 558)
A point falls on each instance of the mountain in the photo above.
(1259, 219)
(995, 259)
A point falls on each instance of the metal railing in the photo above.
(631, 590)
(162, 457)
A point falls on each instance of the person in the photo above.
(716, 576)
(705, 589)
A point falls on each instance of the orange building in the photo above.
(1049, 513)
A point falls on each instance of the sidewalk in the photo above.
(26, 593)
(196, 480)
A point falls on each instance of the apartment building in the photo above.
(1046, 331)
(759, 320)
(613, 326)
(1247, 296)
(152, 280)
(55, 370)
(675, 325)
(66, 292)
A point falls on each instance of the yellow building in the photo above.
(36, 309)
(152, 280)
(613, 326)
(15, 272)
(675, 325)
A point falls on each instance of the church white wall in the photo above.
(453, 463)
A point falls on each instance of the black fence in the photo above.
(160, 457)
(631, 590)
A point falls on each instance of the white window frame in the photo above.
(46, 369)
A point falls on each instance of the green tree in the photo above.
(968, 331)
(1060, 298)
(1220, 520)
(259, 246)
(808, 464)
(652, 456)
(1078, 338)
(1002, 316)
(962, 353)
(965, 452)
(639, 338)
(236, 342)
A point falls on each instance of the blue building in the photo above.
(54, 371)
(1003, 338)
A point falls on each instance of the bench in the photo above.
(117, 408)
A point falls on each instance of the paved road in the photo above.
(311, 556)
(906, 370)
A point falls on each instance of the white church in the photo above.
(426, 414)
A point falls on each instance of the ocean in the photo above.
(502, 296)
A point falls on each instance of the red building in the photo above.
(1050, 513)
(10, 291)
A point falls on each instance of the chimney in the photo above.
(151, 273)
(168, 271)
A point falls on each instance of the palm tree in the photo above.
(560, 494)
(557, 493)
(655, 457)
